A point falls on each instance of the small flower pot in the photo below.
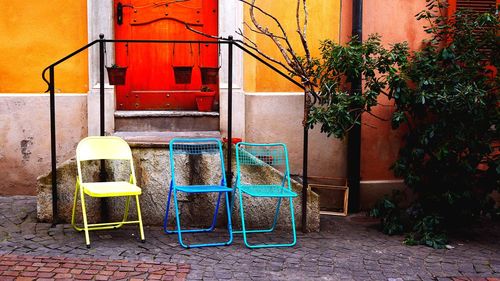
(205, 101)
(182, 74)
(116, 75)
(233, 140)
(209, 75)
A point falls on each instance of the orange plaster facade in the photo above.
(36, 33)
(395, 21)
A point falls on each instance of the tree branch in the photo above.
(202, 33)
(252, 45)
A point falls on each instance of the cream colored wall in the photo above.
(25, 137)
(324, 23)
(34, 34)
(272, 117)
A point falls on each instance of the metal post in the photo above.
(101, 81)
(229, 176)
(53, 156)
(304, 168)
(102, 171)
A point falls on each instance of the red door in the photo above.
(151, 83)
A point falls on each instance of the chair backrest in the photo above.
(194, 156)
(103, 148)
(251, 156)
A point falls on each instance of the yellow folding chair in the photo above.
(105, 148)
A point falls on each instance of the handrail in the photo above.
(267, 64)
(229, 41)
(64, 59)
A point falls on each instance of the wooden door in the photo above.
(150, 81)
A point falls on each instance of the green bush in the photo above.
(449, 106)
(447, 103)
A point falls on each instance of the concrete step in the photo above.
(171, 121)
(161, 139)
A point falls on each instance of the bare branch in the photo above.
(252, 45)
(239, 32)
(267, 32)
(293, 62)
(259, 32)
(202, 33)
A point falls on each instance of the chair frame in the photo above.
(80, 190)
(173, 189)
(286, 179)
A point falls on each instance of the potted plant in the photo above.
(116, 74)
(182, 74)
(205, 99)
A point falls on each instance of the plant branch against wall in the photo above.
(339, 107)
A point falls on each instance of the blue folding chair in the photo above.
(272, 154)
(190, 148)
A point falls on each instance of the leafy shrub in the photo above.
(446, 100)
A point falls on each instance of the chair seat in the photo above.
(267, 191)
(110, 189)
(203, 188)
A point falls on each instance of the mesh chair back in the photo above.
(199, 161)
(258, 158)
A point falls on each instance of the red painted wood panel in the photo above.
(150, 82)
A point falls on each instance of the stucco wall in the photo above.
(35, 34)
(395, 21)
(277, 117)
(324, 23)
(25, 137)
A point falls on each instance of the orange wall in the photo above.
(395, 21)
(324, 23)
(35, 34)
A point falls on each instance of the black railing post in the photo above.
(305, 155)
(101, 81)
(102, 172)
(229, 176)
(53, 156)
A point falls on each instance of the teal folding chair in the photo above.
(248, 157)
(190, 149)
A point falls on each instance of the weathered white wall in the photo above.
(25, 136)
(277, 117)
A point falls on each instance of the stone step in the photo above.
(172, 121)
(161, 139)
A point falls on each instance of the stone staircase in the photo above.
(157, 128)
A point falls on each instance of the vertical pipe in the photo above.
(354, 136)
(229, 176)
(53, 156)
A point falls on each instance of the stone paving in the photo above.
(345, 249)
(15, 267)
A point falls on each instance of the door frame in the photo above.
(100, 20)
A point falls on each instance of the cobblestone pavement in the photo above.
(345, 249)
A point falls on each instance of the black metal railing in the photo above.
(230, 42)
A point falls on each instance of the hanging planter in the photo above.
(205, 99)
(209, 75)
(183, 70)
(182, 74)
(116, 74)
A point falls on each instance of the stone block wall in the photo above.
(152, 170)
